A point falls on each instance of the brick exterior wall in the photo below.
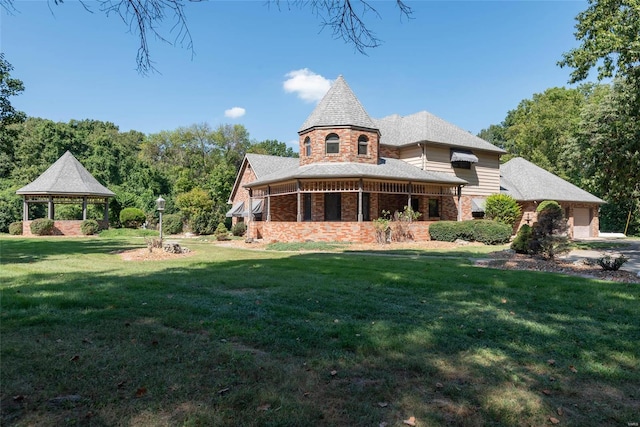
(242, 194)
(389, 152)
(348, 146)
(62, 227)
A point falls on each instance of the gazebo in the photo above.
(65, 182)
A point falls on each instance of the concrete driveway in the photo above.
(631, 251)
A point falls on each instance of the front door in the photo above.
(332, 207)
(581, 223)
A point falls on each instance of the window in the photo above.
(332, 144)
(307, 146)
(461, 165)
(415, 204)
(366, 206)
(332, 207)
(363, 143)
(306, 206)
(434, 208)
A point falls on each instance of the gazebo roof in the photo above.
(65, 177)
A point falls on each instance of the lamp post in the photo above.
(160, 206)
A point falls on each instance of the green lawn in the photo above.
(266, 338)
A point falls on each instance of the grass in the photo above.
(253, 338)
(597, 245)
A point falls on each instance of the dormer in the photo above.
(339, 130)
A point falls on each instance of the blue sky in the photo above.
(468, 62)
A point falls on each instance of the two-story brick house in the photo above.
(352, 168)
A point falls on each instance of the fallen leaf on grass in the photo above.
(551, 362)
(334, 373)
(383, 404)
(573, 369)
(121, 384)
(87, 341)
(18, 398)
(439, 385)
(74, 358)
(224, 390)
(141, 391)
(383, 424)
(410, 422)
(560, 411)
(554, 420)
(264, 407)
(546, 391)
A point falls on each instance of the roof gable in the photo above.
(339, 107)
(66, 176)
(400, 131)
(526, 181)
(262, 165)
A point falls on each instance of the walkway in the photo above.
(630, 249)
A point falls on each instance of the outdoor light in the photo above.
(160, 205)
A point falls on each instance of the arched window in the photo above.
(332, 143)
(307, 146)
(363, 143)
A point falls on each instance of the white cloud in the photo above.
(234, 112)
(308, 85)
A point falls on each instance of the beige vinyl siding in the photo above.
(412, 155)
(483, 177)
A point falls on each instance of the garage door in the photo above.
(581, 223)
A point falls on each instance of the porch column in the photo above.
(84, 208)
(106, 210)
(25, 209)
(50, 212)
(410, 191)
(360, 215)
(250, 214)
(299, 195)
(459, 202)
(268, 203)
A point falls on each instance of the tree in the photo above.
(8, 114)
(610, 34)
(145, 18)
(272, 147)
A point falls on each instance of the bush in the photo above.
(15, 228)
(239, 229)
(89, 227)
(42, 227)
(491, 232)
(522, 243)
(502, 208)
(549, 232)
(172, 223)
(203, 223)
(221, 232)
(611, 264)
(132, 217)
(484, 231)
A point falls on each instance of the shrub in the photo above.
(89, 227)
(611, 264)
(203, 223)
(521, 244)
(549, 232)
(491, 232)
(502, 208)
(132, 217)
(15, 228)
(221, 232)
(484, 231)
(172, 223)
(239, 229)
(42, 227)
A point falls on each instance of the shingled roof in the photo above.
(525, 181)
(390, 169)
(400, 131)
(66, 176)
(339, 107)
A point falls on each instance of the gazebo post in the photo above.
(25, 209)
(106, 211)
(50, 208)
(84, 208)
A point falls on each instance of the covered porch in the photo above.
(343, 209)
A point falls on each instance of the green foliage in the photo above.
(172, 223)
(272, 147)
(549, 232)
(15, 228)
(10, 208)
(193, 202)
(609, 32)
(132, 217)
(9, 116)
(221, 232)
(502, 208)
(484, 231)
(239, 229)
(203, 223)
(522, 243)
(610, 263)
(89, 227)
(42, 227)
